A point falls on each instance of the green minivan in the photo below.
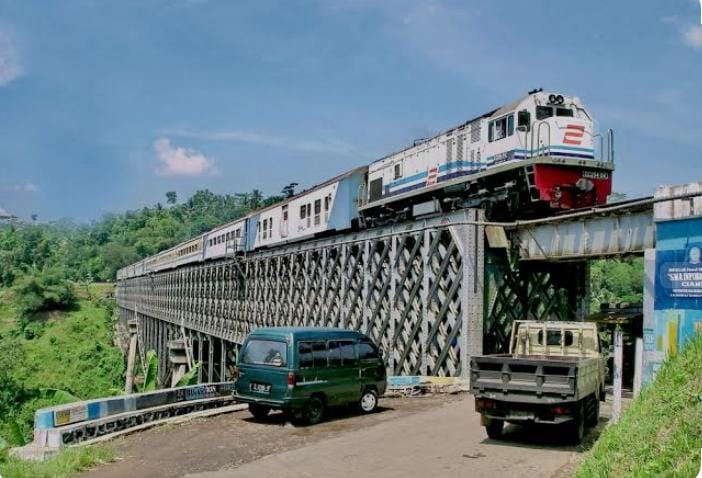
(304, 370)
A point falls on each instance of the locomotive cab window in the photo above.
(501, 128)
(564, 112)
(543, 112)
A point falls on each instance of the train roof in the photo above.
(309, 190)
(496, 112)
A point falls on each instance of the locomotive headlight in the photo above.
(585, 185)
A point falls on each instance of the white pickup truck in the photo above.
(554, 373)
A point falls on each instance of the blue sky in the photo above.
(105, 106)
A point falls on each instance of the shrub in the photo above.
(49, 289)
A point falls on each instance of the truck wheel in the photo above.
(259, 412)
(494, 429)
(577, 427)
(314, 410)
(593, 416)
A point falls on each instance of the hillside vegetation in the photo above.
(661, 433)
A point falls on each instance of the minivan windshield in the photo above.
(265, 352)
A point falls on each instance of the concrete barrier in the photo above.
(68, 424)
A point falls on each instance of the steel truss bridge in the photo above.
(431, 293)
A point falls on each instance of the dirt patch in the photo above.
(228, 441)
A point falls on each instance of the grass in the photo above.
(68, 351)
(8, 312)
(68, 462)
(660, 435)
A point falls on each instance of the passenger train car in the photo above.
(533, 157)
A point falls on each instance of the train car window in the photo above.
(303, 210)
(564, 112)
(285, 212)
(327, 201)
(490, 133)
(238, 233)
(543, 112)
(317, 211)
(398, 170)
(510, 125)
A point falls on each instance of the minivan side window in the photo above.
(312, 354)
(333, 354)
(342, 353)
(367, 350)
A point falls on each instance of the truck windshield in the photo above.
(265, 352)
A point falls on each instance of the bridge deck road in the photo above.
(437, 436)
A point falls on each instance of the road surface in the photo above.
(432, 436)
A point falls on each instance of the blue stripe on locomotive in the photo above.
(456, 169)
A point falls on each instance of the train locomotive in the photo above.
(537, 156)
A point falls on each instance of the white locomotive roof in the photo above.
(496, 112)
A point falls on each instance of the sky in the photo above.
(105, 106)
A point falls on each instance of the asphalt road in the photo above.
(432, 436)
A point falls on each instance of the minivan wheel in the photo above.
(259, 411)
(314, 410)
(369, 401)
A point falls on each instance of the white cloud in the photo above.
(179, 161)
(25, 188)
(4, 214)
(10, 61)
(325, 146)
(692, 36)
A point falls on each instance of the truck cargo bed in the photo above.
(533, 379)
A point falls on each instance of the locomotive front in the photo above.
(573, 163)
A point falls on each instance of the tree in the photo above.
(255, 199)
(171, 197)
(289, 190)
(47, 289)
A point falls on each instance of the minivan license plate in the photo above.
(261, 387)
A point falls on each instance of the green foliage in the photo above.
(49, 289)
(65, 358)
(98, 250)
(67, 463)
(616, 280)
(150, 377)
(190, 377)
(661, 432)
